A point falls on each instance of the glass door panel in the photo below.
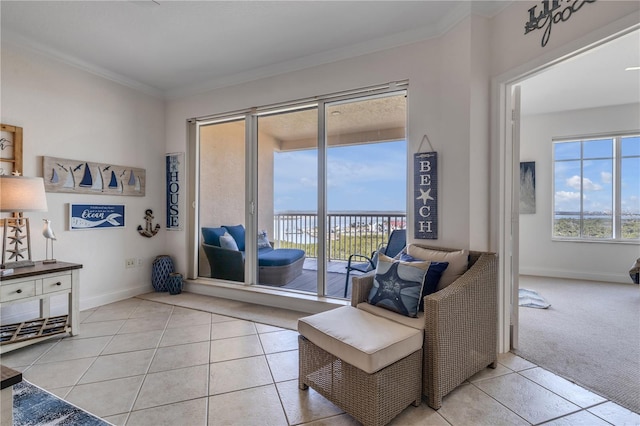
(222, 200)
(366, 180)
(287, 206)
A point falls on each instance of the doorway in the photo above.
(550, 110)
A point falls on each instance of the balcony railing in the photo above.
(349, 232)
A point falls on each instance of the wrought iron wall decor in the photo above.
(149, 230)
(85, 177)
(553, 12)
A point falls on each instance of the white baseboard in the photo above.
(622, 278)
(105, 299)
(19, 312)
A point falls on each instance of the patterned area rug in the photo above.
(35, 406)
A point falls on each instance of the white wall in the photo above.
(438, 105)
(512, 49)
(68, 113)
(538, 254)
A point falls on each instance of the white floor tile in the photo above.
(255, 406)
(570, 391)
(238, 374)
(526, 398)
(142, 362)
(615, 414)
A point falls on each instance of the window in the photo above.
(597, 188)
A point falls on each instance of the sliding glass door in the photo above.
(221, 199)
(288, 198)
(310, 185)
(366, 179)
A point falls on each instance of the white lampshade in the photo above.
(22, 194)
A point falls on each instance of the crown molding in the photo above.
(12, 39)
(457, 15)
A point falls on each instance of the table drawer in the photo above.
(53, 284)
(21, 290)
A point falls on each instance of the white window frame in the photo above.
(617, 184)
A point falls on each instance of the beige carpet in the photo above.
(590, 335)
(242, 310)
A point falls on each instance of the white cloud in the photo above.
(562, 196)
(605, 177)
(587, 184)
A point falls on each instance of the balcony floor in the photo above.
(336, 275)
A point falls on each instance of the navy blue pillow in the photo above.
(397, 285)
(237, 232)
(432, 278)
(212, 236)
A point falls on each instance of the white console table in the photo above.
(41, 282)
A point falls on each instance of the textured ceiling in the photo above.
(174, 47)
(177, 48)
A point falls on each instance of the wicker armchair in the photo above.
(460, 325)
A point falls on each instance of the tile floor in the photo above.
(139, 362)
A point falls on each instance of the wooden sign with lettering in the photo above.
(425, 194)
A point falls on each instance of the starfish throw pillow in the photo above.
(397, 285)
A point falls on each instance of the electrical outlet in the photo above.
(139, 262)
(130, 263)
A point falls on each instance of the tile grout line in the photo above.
(207, 400)
(264, 353)
(144, 379)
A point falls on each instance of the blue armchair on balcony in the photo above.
(397, 241)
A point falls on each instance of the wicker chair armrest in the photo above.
(361, 286)
(461, 328)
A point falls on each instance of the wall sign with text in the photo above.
(425, 194)
(95, 216)
(175, 174)
(552, 12)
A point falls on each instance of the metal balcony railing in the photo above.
(348, 232)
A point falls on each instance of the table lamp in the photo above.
(19, 194)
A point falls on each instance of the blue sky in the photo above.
(597, 179)
(368, 177)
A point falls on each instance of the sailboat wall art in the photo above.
(86, 177)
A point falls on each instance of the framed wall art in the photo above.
(528, 187)
(95, 216)
(85, 177)
(10, 149)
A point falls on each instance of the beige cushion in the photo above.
(364, 340)
(458, 262)
(417, 323)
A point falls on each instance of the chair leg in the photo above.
(346, 284)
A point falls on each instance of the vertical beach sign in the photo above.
(425, 195)
(175, 174)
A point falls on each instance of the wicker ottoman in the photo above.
(368, 366)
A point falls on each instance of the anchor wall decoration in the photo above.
(149, 231)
